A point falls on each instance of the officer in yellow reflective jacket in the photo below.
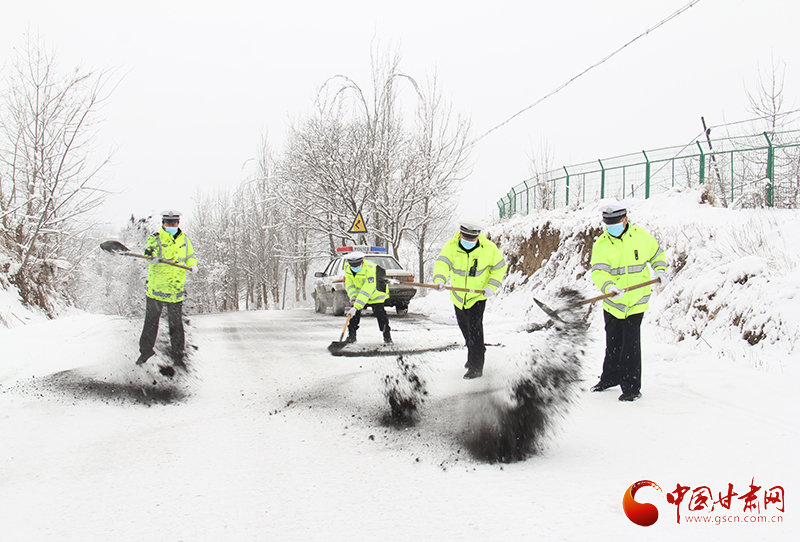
(470, 260)
(363, 287)
(620, 259)
(165, 286)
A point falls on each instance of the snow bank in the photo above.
(13, 312)
(734, 272)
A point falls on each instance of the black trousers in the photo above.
(380, 314)
(470, 321)
(150, 330)
(623, 362)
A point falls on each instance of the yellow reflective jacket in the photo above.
(361, 287)
(166, 282)
(623, 262)
(482, 266)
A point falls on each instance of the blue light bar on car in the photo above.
(378, 249)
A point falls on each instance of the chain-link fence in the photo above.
(761, 170)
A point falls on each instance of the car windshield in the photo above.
(387, 262)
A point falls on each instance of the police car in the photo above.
(329, 287)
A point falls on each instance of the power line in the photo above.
(726, 124)
(543, 98)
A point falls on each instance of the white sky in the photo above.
(204, 80)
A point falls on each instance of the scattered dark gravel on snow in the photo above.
(513, 430)
(80, 387)
(156, 382)
(404, 389)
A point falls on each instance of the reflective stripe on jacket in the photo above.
(623, 262)
(362, 287)
(482, 266)
(166, 282)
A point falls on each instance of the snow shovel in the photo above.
(115, 247)
(338, 345)
(554, 314)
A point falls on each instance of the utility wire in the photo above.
(543, 98)
(726, 124)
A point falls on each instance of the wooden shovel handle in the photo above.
(436, 287)
(346, 321)
(629, 288)
(160, 260)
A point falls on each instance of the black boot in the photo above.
(473, 373)
(143, 358)
(602, 386)
(351, 337)
(387, 336)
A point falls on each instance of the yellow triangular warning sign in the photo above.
(358, 225)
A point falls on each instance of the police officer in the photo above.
(165, 286)
(470, 260)
(619, 259)
(361, 284)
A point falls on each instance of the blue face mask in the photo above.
(171, 231)
(615, 229)
(355, 269)
(469, 245)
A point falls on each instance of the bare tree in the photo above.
(215, 235)
(262, 245)
(768, 105)
(48, 179)
(106, 284)
(324, 175)
(357, 154)
(442, 150)
(541, 164)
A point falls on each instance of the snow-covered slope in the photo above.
(735, 273)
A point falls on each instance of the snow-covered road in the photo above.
(272, 438)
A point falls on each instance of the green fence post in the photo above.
(512, 199)
(702, 163)
(567, 187)
(733, 195)
(646, 176)
(602, 179)
(673, 172)
(770, 172)
(527, 198)
(623, 182)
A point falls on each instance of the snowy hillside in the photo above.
(735, 273)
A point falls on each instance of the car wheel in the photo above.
(401, 308)
(339, 303)
(319, 305)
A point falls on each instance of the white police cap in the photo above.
(470, 227)
(170, 215)
(354, 256)
(613, 212)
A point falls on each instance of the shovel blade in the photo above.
(548, 311)
(113, 246)
(335, 346)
